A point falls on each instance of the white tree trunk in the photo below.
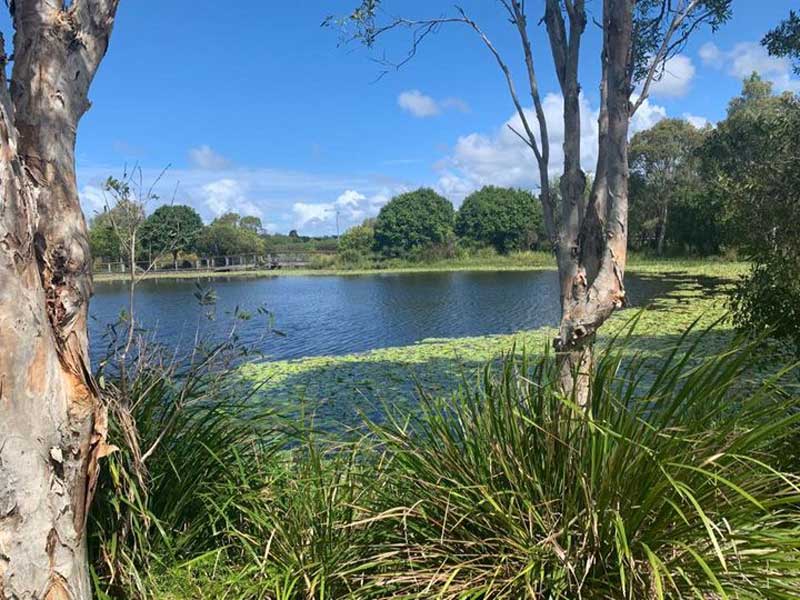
(52, 423)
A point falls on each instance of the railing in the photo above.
(237, 262)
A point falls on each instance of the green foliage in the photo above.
(357, 242)
(510, 491)
(754, 159)
(651, 21)
(225, 236)
(171, 229)
(664, 181)
(182, 429)
(756, 92)
(670, 487)
(784, 40)
(505, 219)
(251, 224)
(414, 221)
(104, 243)
(112, 232)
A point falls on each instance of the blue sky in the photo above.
(257, 110)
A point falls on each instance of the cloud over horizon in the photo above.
(283, 199)
(501, 158)
(745, 58)
(423, 106)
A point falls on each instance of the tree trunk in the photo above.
(52, 423)
(596, 287)
(662, 229)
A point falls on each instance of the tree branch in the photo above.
(667, 47)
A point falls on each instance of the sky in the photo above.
(251, 106)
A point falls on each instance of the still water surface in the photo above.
(329, 315)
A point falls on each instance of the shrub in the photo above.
(754, 158)
(668, 487)
(506, 219)
(664, 490)
(413, 220)
(359, 239)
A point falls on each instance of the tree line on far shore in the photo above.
(680, 195)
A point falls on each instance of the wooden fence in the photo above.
(237, 262)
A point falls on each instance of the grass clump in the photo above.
(675, 484)
(662, 490)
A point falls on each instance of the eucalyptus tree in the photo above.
(588, 234)
(663, 162)
(52, 422)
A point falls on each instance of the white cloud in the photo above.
(455, 104)
(351, 208)
(748, 57)
(312, 214)
(93, 200)
(418, 104)
(228, 195)
(501, 158)
(204, 157)
(675, 79)
(696, 121)
(648, 115)
(422, 106)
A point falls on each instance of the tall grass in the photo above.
(179, 425)
(664, 489)
(669, 487)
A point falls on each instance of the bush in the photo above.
(665, 490)
(359, 239)
(767, 299)
(505, 219)
(754, 157)
(415, 220)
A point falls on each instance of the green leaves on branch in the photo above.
(784, 40)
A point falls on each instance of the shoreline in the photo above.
(694, 266)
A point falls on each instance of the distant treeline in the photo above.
(178, 232)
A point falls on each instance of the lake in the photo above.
(333, 315)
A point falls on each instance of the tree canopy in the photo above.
(506, 219)
(359, 239)
(784, 40)
(663, 172)
(171, 229)
(417, 219)
(753, 159)
(225, 236)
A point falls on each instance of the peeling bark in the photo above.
(596, 233)
(52, 423)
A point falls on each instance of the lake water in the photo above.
(330, 315)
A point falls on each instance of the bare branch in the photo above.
(668, 46)
(520, 136)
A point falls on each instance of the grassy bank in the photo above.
(521, 261)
